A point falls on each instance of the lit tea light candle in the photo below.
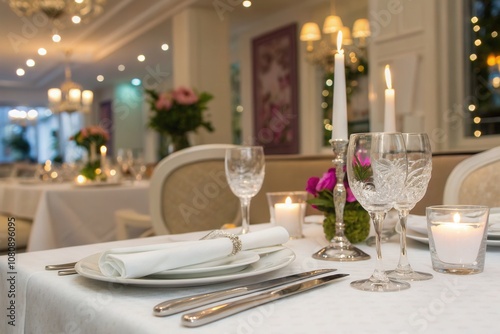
(80, 179)
(288, 215)
(457, 242)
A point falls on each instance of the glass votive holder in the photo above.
(288, 209)
(457, 238)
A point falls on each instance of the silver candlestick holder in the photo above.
(340, 249)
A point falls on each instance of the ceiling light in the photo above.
(136, 82)
(30, 63)
(164, 47)
(76, 19)
(42, 52)
(20, 72)
(32, 114)
(121, 67)
(69, 97)
(323, 54)
(247, 3)
(59, 12)
(56, 38)
(100, 78)
(141, 58)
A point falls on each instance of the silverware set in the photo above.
(268, 291)
(63, 269)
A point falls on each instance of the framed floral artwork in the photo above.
(275, 91)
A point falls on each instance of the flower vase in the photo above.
(171, 143)
(92, 168)
(356, 220)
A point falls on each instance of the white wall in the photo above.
(404, 36)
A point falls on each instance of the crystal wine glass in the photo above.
(419, 154)
(245, 169)
(137, 167)
(376, 169)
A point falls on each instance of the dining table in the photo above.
(67, 214)
(38, 301)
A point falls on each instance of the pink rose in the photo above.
(327, 181)
(185, 96)
(311, 185)
(164, 102)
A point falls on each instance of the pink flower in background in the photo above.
(91, 134)
(164, 101)
(178, 111)
(185, 96)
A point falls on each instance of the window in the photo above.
(482, 59)
(33, 134)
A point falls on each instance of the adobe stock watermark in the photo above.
(91, 306)
(456, 114)
(29, 29)
(254, 319)
(223, 6)
(424, 316)
(202, 196)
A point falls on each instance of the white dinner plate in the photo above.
(314, 219)
(411, 234)
(89, 268)
(227, 265)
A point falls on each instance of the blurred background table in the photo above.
(75, 215)
(64, 214)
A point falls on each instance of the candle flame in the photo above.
(103, 149)
(288, 201)
(388, 80)
(456, 218)
(339, 42)
(81, 179)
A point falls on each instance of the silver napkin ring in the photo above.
(221, 234)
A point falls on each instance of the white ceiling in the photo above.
(125, 29)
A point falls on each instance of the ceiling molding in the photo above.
(140, 25)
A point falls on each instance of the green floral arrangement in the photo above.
(177, 112)
(91, 138)
(356, 218)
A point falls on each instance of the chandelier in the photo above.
(60, 12)
(324, 53)
(70, 97)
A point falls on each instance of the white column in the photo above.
(201, 60)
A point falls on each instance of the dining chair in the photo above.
(189, 191)
(128, 221)
(475, 180)
(20, 227)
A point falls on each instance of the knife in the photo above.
(220, 311)
(177, 305)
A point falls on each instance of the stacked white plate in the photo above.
(244, 264)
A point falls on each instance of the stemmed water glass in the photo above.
(419, 154)
(376, 169)
(245, 169)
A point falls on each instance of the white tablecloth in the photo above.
(73, 216)
(21, 200)
(47, 303)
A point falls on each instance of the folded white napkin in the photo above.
(134, 262)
